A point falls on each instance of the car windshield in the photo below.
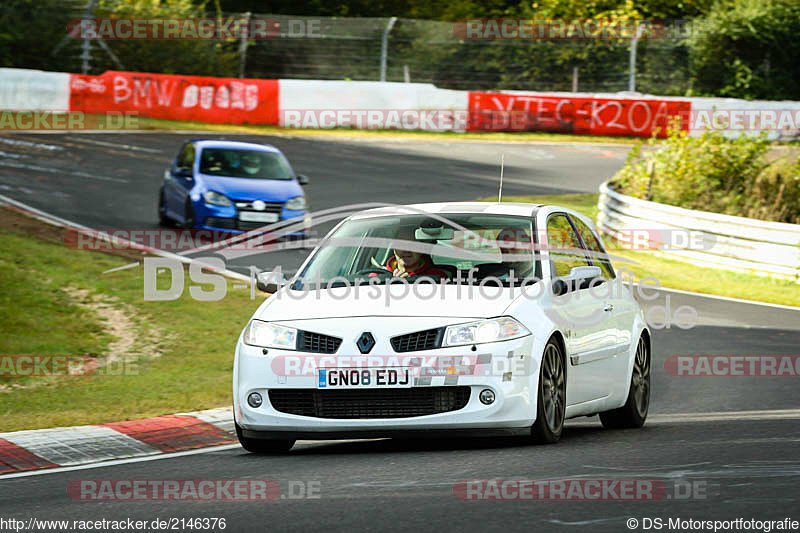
(424, 247)
(252, 164)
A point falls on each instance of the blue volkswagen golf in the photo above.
(231, 186)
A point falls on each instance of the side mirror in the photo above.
(184, 172)
(302, 179)
(270, 282)
(579, 277)
(589, 272)
(560, 287)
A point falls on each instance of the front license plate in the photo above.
(364, 378)
(249, 216)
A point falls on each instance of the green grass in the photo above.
(37, 317)
(677, 274)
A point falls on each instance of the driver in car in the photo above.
(251, 163)
(406, 263)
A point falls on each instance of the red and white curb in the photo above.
(38, 449)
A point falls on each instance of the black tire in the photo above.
(634, 412)
(552, 396)
(188, 220)
(163, 219)
(263, 446)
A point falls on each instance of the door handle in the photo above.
(608, 307)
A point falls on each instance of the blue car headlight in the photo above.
(215, 198)
(298, 203)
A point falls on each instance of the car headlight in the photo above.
(268, 335)
(297, 203)
(492, 330)
(215, 198)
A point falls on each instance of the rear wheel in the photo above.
(551, 403)
(263, 446)
(634, 412)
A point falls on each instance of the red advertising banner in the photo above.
(579, 115)
(174, 97)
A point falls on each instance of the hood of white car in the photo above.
(389, 300)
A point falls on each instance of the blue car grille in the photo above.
(222, 223)
(270, 207)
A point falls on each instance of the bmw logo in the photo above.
(258, 205)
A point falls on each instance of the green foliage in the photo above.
(748, 49)
(31, 29)
(179, 56)
(712, 173)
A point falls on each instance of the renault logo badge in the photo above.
(365, 342)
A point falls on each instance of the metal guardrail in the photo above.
(707, 239)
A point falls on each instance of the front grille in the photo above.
(369, 403)
(232, 223)
(419, 340)
(250, 226)
(270, 207)
(317, 342)
(223, 223)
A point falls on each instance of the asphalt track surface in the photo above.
(742, 465)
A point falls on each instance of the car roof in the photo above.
(241, 145)
(489, 208)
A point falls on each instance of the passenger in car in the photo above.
(513, 242)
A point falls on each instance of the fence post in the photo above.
(385, 46)
(632, 62)
(574, 79)
(86, 47)
(243, 40)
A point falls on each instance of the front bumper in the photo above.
(510, 369)
(226, 218)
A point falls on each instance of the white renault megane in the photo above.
(444, 319)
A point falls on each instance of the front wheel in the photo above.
(163, 219)
(188, 217)
(552, 396)
(634, 412)
(263, 446)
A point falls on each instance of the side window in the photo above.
(186, 158)
(599, 256)
(565, 248)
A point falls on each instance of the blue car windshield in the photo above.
(251, 164)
